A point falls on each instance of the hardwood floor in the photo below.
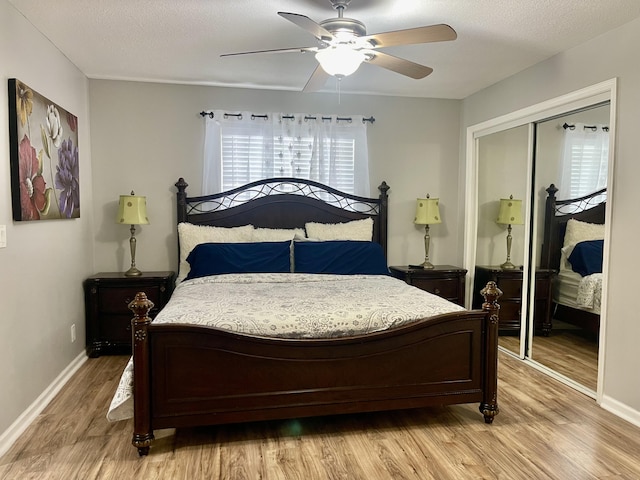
(545, 430)
(569, 352)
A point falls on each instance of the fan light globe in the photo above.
(340, 60)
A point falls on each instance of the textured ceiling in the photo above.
(180, 41)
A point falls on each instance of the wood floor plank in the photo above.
(545, 430)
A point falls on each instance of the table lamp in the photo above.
(427, 213)
(510, 214)
(132, 210)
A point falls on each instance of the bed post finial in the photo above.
(142, 432)
(549, 234)
(181, 198)
(489, 405)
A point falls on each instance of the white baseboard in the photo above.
(621, 410)
(17, 428)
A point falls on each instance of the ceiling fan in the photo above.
(343, 44)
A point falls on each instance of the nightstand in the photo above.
(510, 282)
(445, 281)
(108, 318)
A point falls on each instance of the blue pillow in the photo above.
(586, 257)
(340, 257)
(219, 258)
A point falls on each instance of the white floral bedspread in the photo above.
(290, 305)
(590, 291)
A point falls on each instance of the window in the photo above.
(585, 161)
(242, 148)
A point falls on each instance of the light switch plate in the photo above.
(3, 236)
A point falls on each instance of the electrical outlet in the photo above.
(73, 333)
(3, 236)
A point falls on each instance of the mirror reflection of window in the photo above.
(585, 160)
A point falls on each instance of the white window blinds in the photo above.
(241, 148)
(585, 161)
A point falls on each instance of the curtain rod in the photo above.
(288, 117)
(591, 127)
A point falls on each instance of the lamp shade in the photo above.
(510, 212)
(427, 211)
(132, 210)
(340, 60)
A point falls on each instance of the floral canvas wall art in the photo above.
(45, 182)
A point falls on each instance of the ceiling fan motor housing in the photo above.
(344, 28)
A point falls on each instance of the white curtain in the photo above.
(584, 166)
(243, 147)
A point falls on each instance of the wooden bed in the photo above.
(186, 375)
(590, 209)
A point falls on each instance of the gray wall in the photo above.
(611, 55)
(145, 136)
(42, 268)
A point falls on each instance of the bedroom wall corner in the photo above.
(45, 262)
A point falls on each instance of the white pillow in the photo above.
(354, 230)
(303, 238)
(276, 234)
(191, 235)
(577, 232)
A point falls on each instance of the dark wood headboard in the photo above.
(283, 203)
(589, 208)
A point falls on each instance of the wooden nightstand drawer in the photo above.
(443, 287)
(510, 282)
(117, 328)
(510, 313)
(108, 318)
(446, 281)
(511, 288)
(117, 299)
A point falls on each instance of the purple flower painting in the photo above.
(67, 178)
(45, 179)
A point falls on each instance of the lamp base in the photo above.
(507, 265)
(133, 272)
(427, 265)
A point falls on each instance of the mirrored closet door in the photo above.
(571, 152)
(530, 172)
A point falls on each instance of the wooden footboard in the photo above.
(188, 375)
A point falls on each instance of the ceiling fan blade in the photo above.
(432, 33)
(317, 80)
(309, 25)
(276, 50)
(398, 65)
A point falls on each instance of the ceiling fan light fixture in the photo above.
(340, 60)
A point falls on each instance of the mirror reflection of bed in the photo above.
(573, 245)
(570, 347)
